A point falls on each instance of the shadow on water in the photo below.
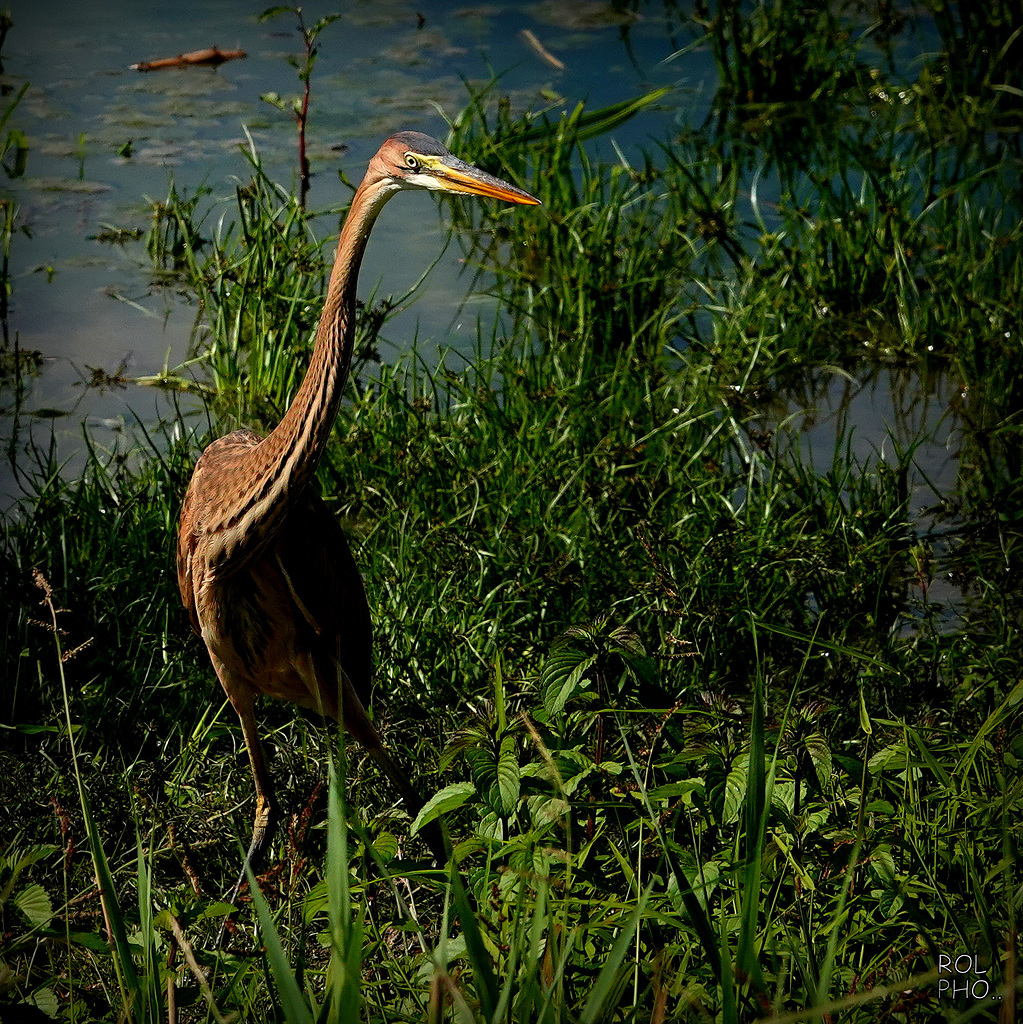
(900, 416)
(879, 411)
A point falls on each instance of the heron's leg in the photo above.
(267, 813)
(357, 721)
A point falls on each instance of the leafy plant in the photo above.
(299, 106)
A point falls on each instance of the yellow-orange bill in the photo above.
(471, 180)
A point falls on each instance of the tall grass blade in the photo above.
(344, 973)
(296, 1009)
(757, 803)
(136, 1003)
(476, 950)
(608, 976)
(709, 942)
(136, 997)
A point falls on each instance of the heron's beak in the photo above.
(455, 175)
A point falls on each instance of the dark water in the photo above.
(884, 413)
(89, 305)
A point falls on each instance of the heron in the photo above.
(264, 569)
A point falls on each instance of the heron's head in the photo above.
(414, 160)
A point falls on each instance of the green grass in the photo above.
(710, 742)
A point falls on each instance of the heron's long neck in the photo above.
(276, 472)
(292, 451)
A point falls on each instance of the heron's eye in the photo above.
(411, 162)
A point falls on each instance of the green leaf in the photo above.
(483, 770)
(499, 702)
(589, 123)
(702, 880)
(626, 643)
(386, 846)
(673, 790)
(18, 860)
(561, 677)
(35, 904)
(735, 791)
(14, 861)
(275, 100)
(475, 947)
(323, 23)
(45, 1000)
(111, 906)
(217, 909)
(547, 809)
(616, 961)
(273, 12)
(820, 754)
(88, 940)
(890, 758)
(343, 995)
(448, 799)
(506, 791)
(864, 715)
(296, 1010)
(882, 864)
(884, 807)
(783, 844)
(1014, 697)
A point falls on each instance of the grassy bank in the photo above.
(722, 732)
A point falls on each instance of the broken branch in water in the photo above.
(212, 56)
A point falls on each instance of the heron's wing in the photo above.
(186, 551)
(203, 503)
(312, 554)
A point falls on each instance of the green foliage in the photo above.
(30, 900)
(714, 742)
(299, 105)
(13, 139)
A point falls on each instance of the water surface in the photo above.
(88, 305)
(104, 140)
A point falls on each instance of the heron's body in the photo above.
(264, 569)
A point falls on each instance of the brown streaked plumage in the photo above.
(264, 569)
